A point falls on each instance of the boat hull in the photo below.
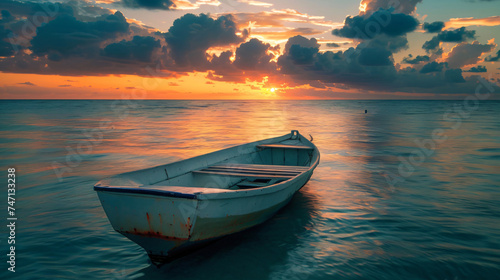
(169, 227)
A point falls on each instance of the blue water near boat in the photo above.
(388, 200)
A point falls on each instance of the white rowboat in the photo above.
(172, 208)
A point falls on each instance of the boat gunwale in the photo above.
(147, 191)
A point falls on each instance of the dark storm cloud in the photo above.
(298, 51)
(29, 9)
(434, 27)
(66, 35)
(16, 26)
(6, 16)
(302, 55)
(74, 39)
(416, 60)
(148, 4)
(432, 67)
(380, 22)
(253, 61)
(452, 36)
(253, 55)
(392, 44)
(191, 36)
(140, 48)
(478, 69)
(372, 68)
(332, 45)
(432, 44)
(405, 7)
(375, 57)
(457, 35)
(493, 58)
(361, 67)
(454, 76)
(301, 41)
(6, 47)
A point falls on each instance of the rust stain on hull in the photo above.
(149, 223)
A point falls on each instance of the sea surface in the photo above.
(409, 190)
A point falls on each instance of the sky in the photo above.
(246, 49)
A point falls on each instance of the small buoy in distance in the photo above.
(366, 111)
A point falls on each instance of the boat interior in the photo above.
(270, 164)
(243, 167)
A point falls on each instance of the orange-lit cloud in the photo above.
(256, 3)
(105, 1)
(187, 5)
(278, 18)
(283, 34)
(465, 54)
(470, 21)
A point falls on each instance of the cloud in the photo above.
(140, 48)
(98, 41)
(393, 44)
(434, 27)
(287, 33)
(467, 54)
(6, 16)
(191, 36)
(478, 69)
(148, 4)
(163, 4)
(404, 7)
(6, 48)
(302, 55)
(455, 36)
(433, 67)
(28, 84)
(416, 60)
(278, 18)
(66, 36)
(367, 67)
(187, 5)
(470, 21)
(493, 58)
(298, 51)
(380, 22)
(253, 60)
(253, 55)
(256, 3)
(454, 76)
(76, 39)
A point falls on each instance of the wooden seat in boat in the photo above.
(253, 170)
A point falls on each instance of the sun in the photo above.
(273, 90)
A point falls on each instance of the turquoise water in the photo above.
(367, 212)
